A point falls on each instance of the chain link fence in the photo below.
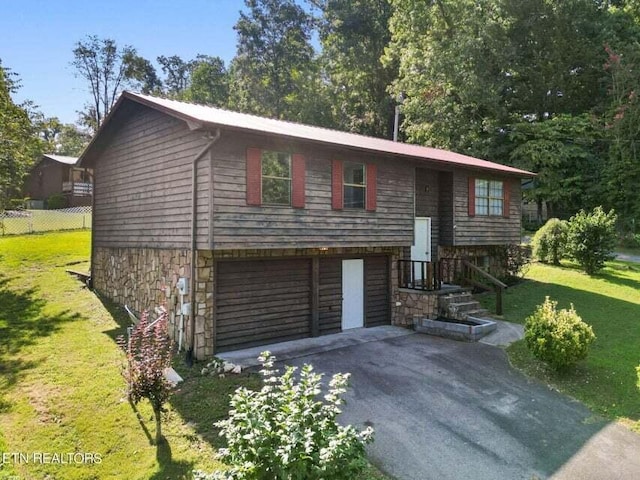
(19, 222)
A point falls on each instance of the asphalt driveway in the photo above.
(443, 409)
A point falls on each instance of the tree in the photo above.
(622, 171)
(141, 74)
(19, 144)
(274, 56)
(591, 238)
(208, 82)
(565, 153)
(105, 67)
(177, 73)
(59, 138)
(149, 353)
(473, 69)
(354, 35)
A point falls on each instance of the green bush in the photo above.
(592, 238)
(549, 243)
(559, 338)
(284, 431)
(56, 201)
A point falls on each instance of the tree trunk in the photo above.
(157, 410)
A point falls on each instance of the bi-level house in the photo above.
(59, 175)
(278, 230)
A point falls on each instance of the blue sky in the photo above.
(37, 38)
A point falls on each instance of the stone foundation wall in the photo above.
(144, 278)
(413, 302)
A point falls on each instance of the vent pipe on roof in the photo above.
(396, 118)
(194, 268)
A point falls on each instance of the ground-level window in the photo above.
(355, 185)
(276, 178)
(489, 197)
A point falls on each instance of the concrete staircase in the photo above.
(461, 306)
(460, 317)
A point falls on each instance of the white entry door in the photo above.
(352, 293)
(421, 248)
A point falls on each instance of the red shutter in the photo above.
(337, 185)
(472, 196)
(506, 192)
(297, 180)
(372, 187)
(254, 176)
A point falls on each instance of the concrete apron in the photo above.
(248, 357)
(505, 334)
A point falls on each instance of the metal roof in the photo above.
(198, 116)
(61, 158)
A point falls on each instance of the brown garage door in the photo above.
(261, 302)
(377, 306)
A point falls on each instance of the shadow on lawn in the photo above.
(22, 324)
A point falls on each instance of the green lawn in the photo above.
(610, 302)
(60, 385)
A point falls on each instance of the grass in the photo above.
(60, 385)
(40, 221)
(610, 303)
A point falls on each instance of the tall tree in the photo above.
(354, 35)
(104, 65)
(19, 145)
(59, 138)
(208, 82)
(177, 74)
(622, 171)
(273, 57)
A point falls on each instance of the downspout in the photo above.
(194, 210)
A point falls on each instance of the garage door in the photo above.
(261, 302)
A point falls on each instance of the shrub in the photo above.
(56, 201)
(284, 431)
(549, 243)
(559, 338)
(629, 240)
(512, 261)
(592, 238)
(149, 353)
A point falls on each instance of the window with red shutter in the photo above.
(254, 176)
(336, 185)
(372, 187)
(298, 175)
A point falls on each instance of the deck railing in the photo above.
(419, 275)
(461, 271)
(77, 188)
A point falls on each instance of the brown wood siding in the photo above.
(485, 230)
(445, 208)
(143, 184)
(238, 225)
(330, 295)
(376, 280)
(261, 302)
(46, 179)
(427, 203)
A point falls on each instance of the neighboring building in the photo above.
(59, 175)
(295, 231)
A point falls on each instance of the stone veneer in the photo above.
(415, 302)
(143, 278)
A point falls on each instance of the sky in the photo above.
(37, 38)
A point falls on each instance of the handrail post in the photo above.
(499, 300)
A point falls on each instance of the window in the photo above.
(276, 178)
(489, 197)
(355, 186)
